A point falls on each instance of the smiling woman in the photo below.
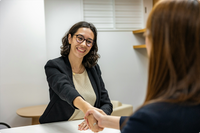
(75, 82)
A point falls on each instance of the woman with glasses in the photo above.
(74, 79)
(172, 103)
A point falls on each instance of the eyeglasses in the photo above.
(81, 38)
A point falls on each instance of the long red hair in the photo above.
(173, 28)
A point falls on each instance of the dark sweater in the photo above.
(164, 118)
(62, 90)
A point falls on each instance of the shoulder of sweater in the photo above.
(154, 110)
(152, 113)
(164, 109)
(166, 106)
(157, 107)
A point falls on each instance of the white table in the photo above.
(57, 127)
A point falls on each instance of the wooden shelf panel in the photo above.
(139, 46)
(139, 31)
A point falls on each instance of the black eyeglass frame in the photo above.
(84, 40)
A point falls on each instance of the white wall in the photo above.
(124, 69)
(60, 15)
(22, 58)
(31, 33)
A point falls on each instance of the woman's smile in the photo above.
(81, 50)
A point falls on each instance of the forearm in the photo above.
(82, 104)
(110, 122)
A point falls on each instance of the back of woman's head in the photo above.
(173, 28)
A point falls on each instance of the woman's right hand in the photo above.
(85, 107)
(97, 114)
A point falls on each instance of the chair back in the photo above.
(4, 125)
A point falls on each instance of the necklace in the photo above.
(77, 72)
(74, 73)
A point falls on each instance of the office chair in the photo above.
(121, 109)
(4, 125)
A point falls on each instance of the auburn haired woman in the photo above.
(172, 102)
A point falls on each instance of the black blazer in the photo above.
(62, 90)
(164, 118)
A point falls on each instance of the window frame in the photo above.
(146, 5)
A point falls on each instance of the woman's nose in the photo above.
(84, 43)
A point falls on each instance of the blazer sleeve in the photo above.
(60, 82)
(105, 103)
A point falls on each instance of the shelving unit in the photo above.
(139, 46)
(142, 31)
(138, 32)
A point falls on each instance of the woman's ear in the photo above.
(69, 39)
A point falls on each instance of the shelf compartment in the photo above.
(139, 31)
(139, 46)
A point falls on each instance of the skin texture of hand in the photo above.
(84, 106)
(100, 111)
(91, 122)
(104, 120)
(97, 115)
(83, 126)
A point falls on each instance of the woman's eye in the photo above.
(89, 42)
(80, 38)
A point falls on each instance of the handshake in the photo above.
(93, 120)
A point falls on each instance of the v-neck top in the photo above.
(83, 86)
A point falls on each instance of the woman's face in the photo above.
(80, 49)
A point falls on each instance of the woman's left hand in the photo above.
(83, 126)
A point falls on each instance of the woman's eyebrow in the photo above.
(84, 36)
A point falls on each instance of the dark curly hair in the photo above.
(92, 57)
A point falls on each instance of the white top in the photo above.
(84, 87)
(56, 127)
